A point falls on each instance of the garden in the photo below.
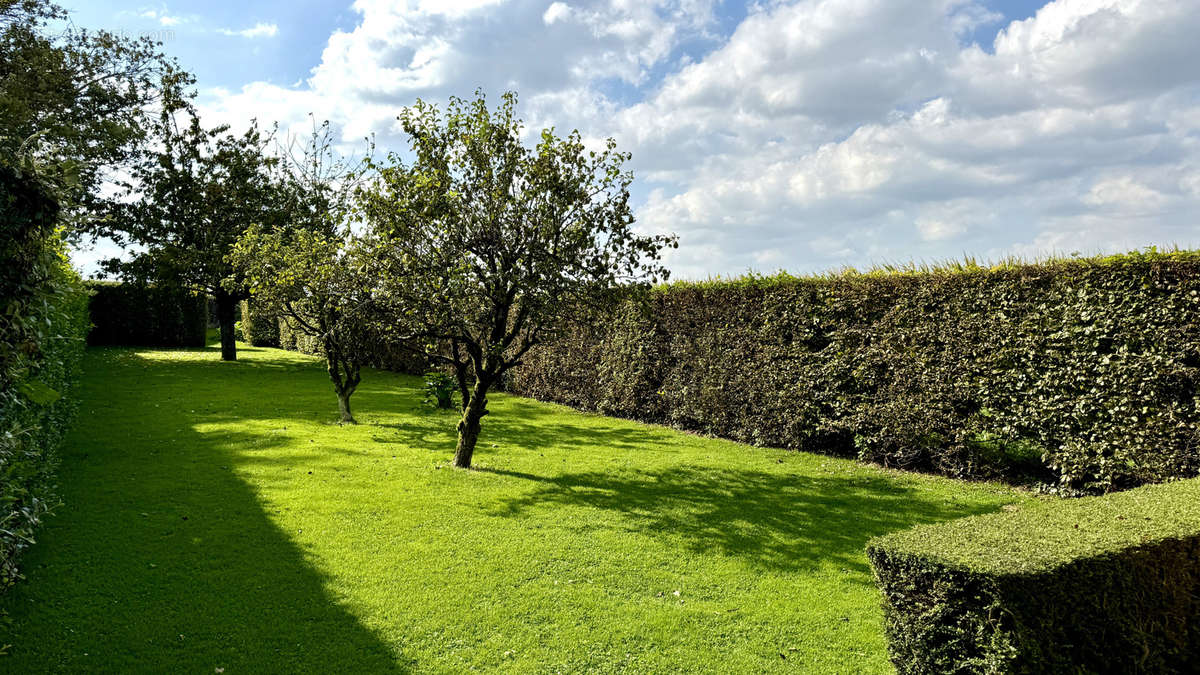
(216, 516)
(444, 411)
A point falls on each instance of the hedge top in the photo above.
(1048, 533)
(968, 265)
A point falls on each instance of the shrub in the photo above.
(1084, 372)
(439, 390)
(1098, 584)
(382, 353)
(146, 315)
(297, 341)
(43, 320)
(259, 328)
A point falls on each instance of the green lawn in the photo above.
(216, 518)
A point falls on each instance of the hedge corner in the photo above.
(1099, 584)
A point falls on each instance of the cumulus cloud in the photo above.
(817, 133)
(919, 147)
(557, 11)
(401, 51)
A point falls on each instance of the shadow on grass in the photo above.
(517, 422)
(162, 559)
(776, 521)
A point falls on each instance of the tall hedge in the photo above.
(259, 328)
(146, 315)
(43, 320)
(1107, 584)
(1083, 372)
(383, 354)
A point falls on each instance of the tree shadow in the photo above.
(161, 559)
(774, 521)
(523, 423)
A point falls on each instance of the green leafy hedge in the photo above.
(43, 321)
(258, 328)
(1084, 371)
(146, 315)
(382, 354)
(1099, 584)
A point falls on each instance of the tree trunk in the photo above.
(226, 306)
(344, 374)
(344, 407)
(468, 427)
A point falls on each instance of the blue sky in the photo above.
(803, 135)
(304, 27)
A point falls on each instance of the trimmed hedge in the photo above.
(1098, 584)
(43, 321)
(1083, 372)
(258, 328)
(383, 355)
(146, 315)
(296, 341)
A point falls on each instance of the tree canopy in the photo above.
(313, 273)
(321, 285)
(485, 245)
(80, 100)
(186, 203)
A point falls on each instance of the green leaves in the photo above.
(485, 246)
(439, 390)
(486, 241)
(1083, 373)
(42, 325)
(188, 200)
(39, 392)
(1101, 584)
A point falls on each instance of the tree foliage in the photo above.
(320, 284)
(312, 271)
(483, 242)
(43, 318)
(71, 107)
(317, 182)
(81, 99)
(188, 200)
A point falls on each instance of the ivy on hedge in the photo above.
(1080, 371)
(1099, 584)
(146, 315)
(43, 320)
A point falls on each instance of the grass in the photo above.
(215, 517)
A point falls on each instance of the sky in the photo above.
(804, 136)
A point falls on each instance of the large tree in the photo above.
(76, 99)
(486, 245)
(188, 201)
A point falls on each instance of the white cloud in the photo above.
(163, 17)
(258, 30)
(878, 154)
(817, 133)
(1124, 192)
(557, 11)
(400, 51)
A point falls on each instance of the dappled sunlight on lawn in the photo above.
(217, 515)
(772, 520)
